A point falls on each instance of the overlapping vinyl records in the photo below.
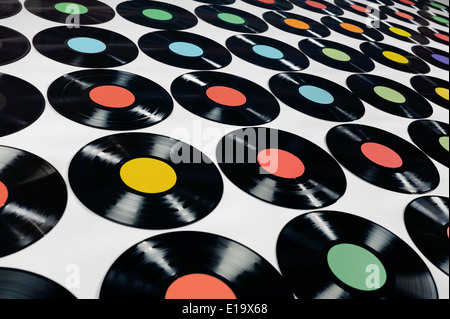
(225, 98)
(432, 88)
(296, 24)
(110, 99)
(338, 255)
(382, 158)
(13, 45)
(145, 180)
(9, 8)
(202, 266)
(20, 284)
(426, 220)
(33, 197)
(280, 168)
(88, 47)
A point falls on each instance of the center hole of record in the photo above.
(356, 267)
(440, 58)
(281, 163)
(3, 194)
(393, 56)
(389, 94)
(400, 32)
(316, 4)
(316, 94)
(71, 8)
(231, 18)
(381, 155)
(148, 175)
(86, 45)
(404, 15)
(186, 49)
(226, 96)
(268, 51)
(157, 14)
(336, 54)
(199, 286)
(351, 27)
(112, 96)
(443, 140)
(360, 8)
(442, 92)
(297, 24)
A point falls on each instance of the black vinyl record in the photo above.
(158, 15)
(317, 97)
(267, 52)
(336, 55)
(389, 96)
(362, 9)
(271, 5)
(13, 45)
(439, 6)
(88, 12)
(185, 50)
(338, 255)
(404, 16)
(231, 19)
(432, 88)
(280, 168)
(296, 24)
(33, 197)
(224, 2)
(225, 98)
(110, 99)
(436, 57)
(384, 2)
(18, 284)
(202, 266)
(21, 104)
(88, 47)
(440, 19)
(382, 159)
(394, 57)
(319, 6)
(414, 4)
(352, 28)
(426, 220)
(437, 35)
(431, 137)
(9, 8)
(145, 180)
(400, 32)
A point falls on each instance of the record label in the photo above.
(271, 4)
(13, 45)
(296, 24)
(319, 6)
(432, 88)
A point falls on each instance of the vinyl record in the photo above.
(33, 197)
(21, 104)
(317, 97)
(434, 89)
(231, 19)
(336, 55)
(17, 284)
(267, 52)
(296, 24)
(362, 9)
(400, 32)
(389, 96)
(145, 180)
(85, 47)
(404, 16)
(110, 99)
(202, 266)
(224, 2)
(225, 98)
(384, 2)
(436, 57)
(158, 15)
(382, 159)
(88, 12)
(414, 4)
(185, 50)
(338, 255)
(319, 6)
(9, 8)
(426, 220)
(352, 28)
(435, 34)
(13, 46)
(394, 57)
(432, 138)
(439, 6)
(440, 19)
(280, 168)
(271, 4)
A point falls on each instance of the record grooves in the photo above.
(432, 88)
(435, 34)
(13, 45)
(9, 8)
(352, 28)
(404, 16)
(296, 24)
(140, 271)
(401, 32)
(434, 56)
(362, 9)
